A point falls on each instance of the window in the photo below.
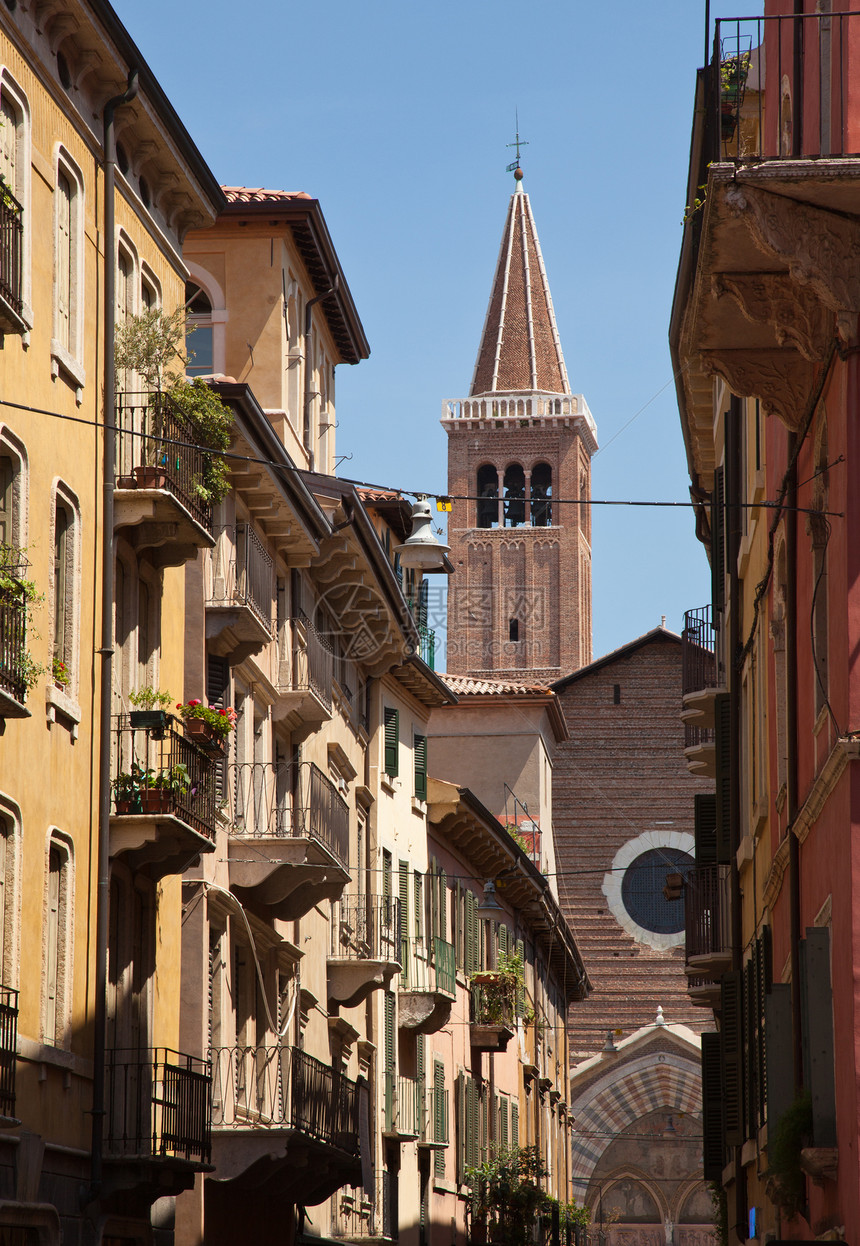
(125, 302)
(65, 586)
(515, 496)
(391, 718)
(541, 495)
(10, 832)
(15, 170)
(488, 496)
(13, 477)
(66, 343)
(199, 341)
(150, 292)
(57, 942)
(131, 961)
(513, 630)
(420, 756)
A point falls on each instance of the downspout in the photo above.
(106, 651)
(791, 763)
(306, 422)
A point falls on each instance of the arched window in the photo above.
(541, 495)
(515, 495)
(488, 494)
(199, 340)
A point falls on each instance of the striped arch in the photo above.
(665, 1081)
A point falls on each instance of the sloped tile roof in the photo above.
(258, 194)
(463, 685)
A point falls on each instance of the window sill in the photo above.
(445, 1187)
(62, 361)
(419, 807)
(387, 782)
(59, 705)
(44, 1053)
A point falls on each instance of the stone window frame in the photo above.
(63, 497)
(127, 665)
(660, 837)
(13, 447)
(61, 842)
(69, 361)
(10, 910)
(148, 278)
(217, 318)
(11, 90)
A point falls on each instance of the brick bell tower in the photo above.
(519, 448)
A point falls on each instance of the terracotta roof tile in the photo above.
(379, 495)
(464, 685)
(258, 194)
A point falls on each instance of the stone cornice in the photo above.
(780, 380)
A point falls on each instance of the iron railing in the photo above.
(694, 736)
(156, 770)
(802, 107)
(404, 1105)
(699, 667)
(158, 1104)
(427, 645)
(707, 912)
(311, 659)
(283, 1088)
(325, 815)
(366, 928)
(11, 250)
(154, 433)
(240, 571)
(429, 968)
(13, 641)
(261, 799)
(8, 1047)
(494, 1001)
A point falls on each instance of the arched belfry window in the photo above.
(515, 495)
(541, 495)
(199, 340)
(488, 496)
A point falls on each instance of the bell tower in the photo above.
(519, 474)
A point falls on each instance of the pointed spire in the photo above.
(520, 351)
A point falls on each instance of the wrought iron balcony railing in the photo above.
(13, 641)
(325, 815)
(699, 665)
(404, 1105)
(263, 805)
(493, 1000)
(803, 106)
(283, 1088)
(429, 967)
(158, 1105)
(707, 913)
(309, 659)
(157, 770)
(8, 1047)
(158, 445)
(11, 239)
(366, 928)
(694, 736)
(240, 572)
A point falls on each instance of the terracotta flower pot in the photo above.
(155, 800)
(149, 477)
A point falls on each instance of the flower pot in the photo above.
(153, 721)
(124, 806)
(125, 482)
(155, 800)
(204, 736)
(149, 477)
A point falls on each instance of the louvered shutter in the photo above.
(471, 950)
(779, 1057)
(417, 886)
(421, 1057)
(440, 1125)
(386, 874)
(723, 745)
(473, 1141)
(705, 827)
(503, 940)
(521, 986)
(419, 743)
(712, 1109)
(503, 1124)
(731, 1036)
(403, 884)
(462, 1128)
(764, 983)
(389, 1060)
(515, 1124)
(718, 540)
(750, 1052)
(443, 906)
(64, 260)
(459, 957)
(218, 695)
(391, 719)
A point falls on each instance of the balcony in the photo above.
(14, 659)
(8, 1048)
(159, 465)
(277, 1110)
(164, 798)
(493, 1010)
(239, 589)
(404, 1107)
(11, 270)
(428, 986)
(300, 849)
(701, 674)
(707, 923)
(365, 937)
(306, 671)
(158, 1124)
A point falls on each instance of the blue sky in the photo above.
(396, 116)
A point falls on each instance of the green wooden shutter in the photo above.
(462, 1127)
(440, 1125)
(723, 743)
(391, 718)
(503, 1124)
(712, 1108)
(705, 827)
(521, 987)
(473, 1142)
(389, 1061)
(459, 957)
(417, 887)
(421, 1057)
(471, 950)
(443, 931)
(419, 745)
(515, 1124)
(403, 881)
(731, 1038)
(386, 873)
(718, 540)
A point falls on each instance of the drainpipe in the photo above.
(309, 306)
(106, 651)
(791, 766)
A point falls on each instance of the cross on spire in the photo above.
(518, 143)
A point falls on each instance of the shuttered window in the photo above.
(389, 1060)
(712, 1108)
(521, 986)
(731, 1039)
(723, 750)
(418, 889)
(64, 261)
(705, 827)
(718, 540)
(472, 950)
(391, 719)
(440, 1123)
(403, 882)
(420, 754)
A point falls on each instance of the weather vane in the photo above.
(518, 144)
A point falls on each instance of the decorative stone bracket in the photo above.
(794, 312)
(782, 381)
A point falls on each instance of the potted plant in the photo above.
(173, 783)
(207, 725)
(62, 676)
(126, 791)
(150, 713)
(733, 77)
